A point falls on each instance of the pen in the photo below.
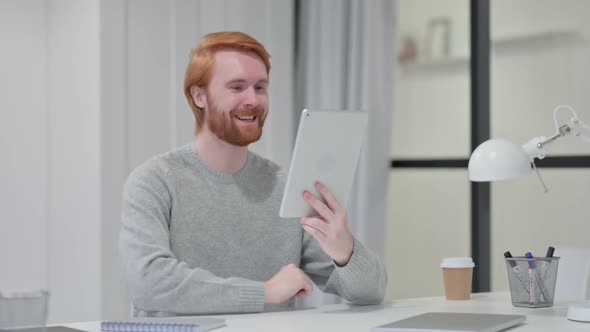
(533, 270)
(516, 270)
(549, 254)
(550, 251)
(531, 283)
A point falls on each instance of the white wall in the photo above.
(428, 219)
(24, 164)
(50, 147)
(88, 90)
(114, 151)
(73, 156)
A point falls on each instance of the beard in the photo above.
(225, 125)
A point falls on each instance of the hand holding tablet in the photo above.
(330, 229)
(321, 175)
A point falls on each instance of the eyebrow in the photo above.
(240, 80)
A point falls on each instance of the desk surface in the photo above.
(344, 317)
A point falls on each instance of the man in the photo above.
(201, 232)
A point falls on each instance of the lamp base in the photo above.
(579, 312)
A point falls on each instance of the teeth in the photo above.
(246, 118)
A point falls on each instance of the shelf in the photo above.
(523, 39)
(442, 62)
(537, 36)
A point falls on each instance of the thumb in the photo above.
(302, 293)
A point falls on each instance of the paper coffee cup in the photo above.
(457, 277)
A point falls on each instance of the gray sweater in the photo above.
(195, 241)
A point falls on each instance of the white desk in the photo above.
(343, 317)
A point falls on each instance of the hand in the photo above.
(288, 282)
(330, 229)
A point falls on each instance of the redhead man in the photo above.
(201, 231)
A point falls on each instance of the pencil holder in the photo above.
(23, 310)
(532, 281)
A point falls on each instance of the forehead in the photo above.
(231, 64)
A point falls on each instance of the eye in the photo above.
(260, 88)
(236, 88)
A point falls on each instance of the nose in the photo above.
(250, 98)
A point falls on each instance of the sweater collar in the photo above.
(196, 160)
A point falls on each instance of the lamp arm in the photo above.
(535, 148)
(561, 131)
(576, 125)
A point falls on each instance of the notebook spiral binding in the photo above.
(114, 326)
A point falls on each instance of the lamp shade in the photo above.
(498, 159)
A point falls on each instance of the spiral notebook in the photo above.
(168, 324)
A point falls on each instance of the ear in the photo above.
(199, 97)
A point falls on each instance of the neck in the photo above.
(219, 155)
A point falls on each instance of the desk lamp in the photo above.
(500, 159)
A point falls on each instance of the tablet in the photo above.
(327, 149)
(453, 322)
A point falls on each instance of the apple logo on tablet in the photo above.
(326, 163)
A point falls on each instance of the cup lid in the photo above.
(457, 262)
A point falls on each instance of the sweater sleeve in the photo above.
(362, 281)
(156, 279)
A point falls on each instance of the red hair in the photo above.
(200, 66)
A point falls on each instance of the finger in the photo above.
(329, 197)
(317, 223)
(316, 234)
(318, 205)
(306, 290)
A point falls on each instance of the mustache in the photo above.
(257, 111)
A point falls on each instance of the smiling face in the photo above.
(236, 99)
